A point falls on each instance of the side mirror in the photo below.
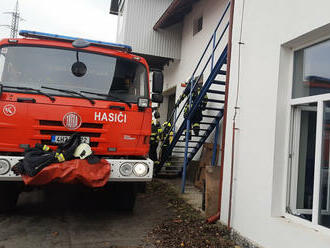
(158, 98)
(78, 69)
(157, 82)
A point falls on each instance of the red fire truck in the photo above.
(53, 86)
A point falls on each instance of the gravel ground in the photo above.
(187, 228)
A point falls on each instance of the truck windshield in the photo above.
(44, 66)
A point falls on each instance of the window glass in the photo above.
(311, 70)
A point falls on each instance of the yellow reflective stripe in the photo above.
(196, 125)
(45, 148)
(60, 157)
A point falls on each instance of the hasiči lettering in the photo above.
(110, 117)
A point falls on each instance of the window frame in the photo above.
(292, 123)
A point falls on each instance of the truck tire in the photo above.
(9, 193)
(142, 187)
(123, 196)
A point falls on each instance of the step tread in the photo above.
(220, 92)
(222, 72)
(215, 100)
(219, 82)
(216, 109)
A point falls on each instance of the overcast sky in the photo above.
(82, 18)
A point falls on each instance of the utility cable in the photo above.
(240, 43)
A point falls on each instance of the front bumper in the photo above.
(115, 175)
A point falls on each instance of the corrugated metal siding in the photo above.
(139, 18)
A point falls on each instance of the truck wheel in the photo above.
(9, 193)
(123, 196)
(142, 187)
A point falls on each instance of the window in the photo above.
(197, 25)
(309, 182)
(51, 67)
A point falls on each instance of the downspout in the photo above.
(216, 217)
(231, 172)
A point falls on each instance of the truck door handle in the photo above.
(22, 99)
(117, 107)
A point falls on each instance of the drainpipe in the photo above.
(231, 172)
(216, 217)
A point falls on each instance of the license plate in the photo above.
(60, 139)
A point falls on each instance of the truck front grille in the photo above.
(48, 128)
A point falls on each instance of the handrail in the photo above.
(195, 82)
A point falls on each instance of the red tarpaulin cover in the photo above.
(73, 172)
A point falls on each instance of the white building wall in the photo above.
(270, 30)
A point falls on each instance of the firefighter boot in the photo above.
(196, 128)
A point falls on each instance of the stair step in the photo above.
(215, 100)
(190, 141)
(184, 147)
(206, 123)
(179, 152)
(216, 109)
(222, 72)
(210, 116)
(218, 82)
(220, 92)
(183, 134)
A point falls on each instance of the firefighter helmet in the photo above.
(83, 151)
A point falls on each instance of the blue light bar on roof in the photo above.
(40, 35)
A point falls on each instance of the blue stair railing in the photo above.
(180, 124)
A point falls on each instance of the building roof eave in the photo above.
(174, 13)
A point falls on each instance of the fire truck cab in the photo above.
(52, 86)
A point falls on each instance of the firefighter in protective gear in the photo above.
(156, 130)
(167, 138)
(198, 115)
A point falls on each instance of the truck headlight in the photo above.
(126, 169)
(143, 102)
(4, 166)
(140, 169)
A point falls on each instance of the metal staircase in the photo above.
(182, 150)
